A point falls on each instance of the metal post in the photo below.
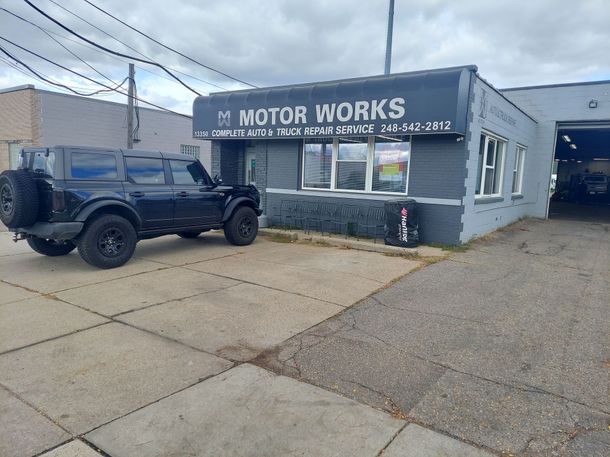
(130, 107)
(388, 46)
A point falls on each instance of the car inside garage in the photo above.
(581, 172)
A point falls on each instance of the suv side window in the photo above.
(187, 173)
(142, 170)
(87, 165)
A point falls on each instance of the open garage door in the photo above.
(581, 172)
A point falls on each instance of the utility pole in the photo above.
(388, 45)
(130, 107)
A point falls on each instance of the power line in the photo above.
(54, 83)
(62, 45)
(47, 31)
(82, 76)
(167, 47)
(110, 50)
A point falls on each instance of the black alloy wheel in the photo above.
(6, 200)
(111, 242)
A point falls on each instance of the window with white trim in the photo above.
(491, 166)
(377, 164)
(518, 169)
(190, 150)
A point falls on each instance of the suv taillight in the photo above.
(59, 200)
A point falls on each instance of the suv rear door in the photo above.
(197, 203)
(149, 191)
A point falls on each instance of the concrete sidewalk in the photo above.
(147, 359)
(504, 346)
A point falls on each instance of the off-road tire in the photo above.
(189, 234)
(51, 248)
(108, 241)
(242, 227)
(18, 199)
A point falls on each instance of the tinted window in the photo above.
(93, 166)
(141, 170)
(187, 172)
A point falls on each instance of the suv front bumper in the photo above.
(51, 230)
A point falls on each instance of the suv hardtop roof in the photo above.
(126, 152)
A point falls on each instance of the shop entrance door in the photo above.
(250, 166)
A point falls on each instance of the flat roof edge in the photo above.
(552, 86)
(17, 88)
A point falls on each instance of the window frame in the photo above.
(500, 141)
(370, 159)
(520, 154)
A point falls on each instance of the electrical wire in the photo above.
(63, 46)
(167, 47)
(79, 74)
(109, 50)
(47, 31)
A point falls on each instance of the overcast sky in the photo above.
(272, 42)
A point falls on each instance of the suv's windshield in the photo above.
(44, 164)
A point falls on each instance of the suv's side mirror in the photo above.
(217, 180)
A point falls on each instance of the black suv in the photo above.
(104, 200)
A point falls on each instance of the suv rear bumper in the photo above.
(52, 230)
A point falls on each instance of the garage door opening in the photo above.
(581, 172)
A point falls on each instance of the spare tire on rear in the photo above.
(18, 199)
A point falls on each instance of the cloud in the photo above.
(285, 41)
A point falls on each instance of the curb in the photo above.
(350, 243)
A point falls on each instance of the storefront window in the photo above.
(351, 163)
(390, 165)
(317, 163)
(361, 164)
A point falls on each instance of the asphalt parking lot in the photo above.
(82, 349)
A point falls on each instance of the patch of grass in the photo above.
(280, 238)
(451, 247)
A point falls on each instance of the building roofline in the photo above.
(552, 86)
(499, 92)
(17, 88)
(472, 68)
(97, 100)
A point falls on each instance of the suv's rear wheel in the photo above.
(51, 248)
(18, 198)
(242, 228)
(107, 242)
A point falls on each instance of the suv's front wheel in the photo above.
(51, 248)
(242, 228)
(107, 241)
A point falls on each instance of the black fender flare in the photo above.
(234, 204)
(88, 210)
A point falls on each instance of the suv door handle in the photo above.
(137, 194)
(183, 194)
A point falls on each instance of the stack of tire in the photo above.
(19, 205)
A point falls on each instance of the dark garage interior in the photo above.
(581, 172)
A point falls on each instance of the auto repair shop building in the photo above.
(466, 153)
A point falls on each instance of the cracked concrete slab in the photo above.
(146, 289)
(37, 319)
(237, 323)
(88, 378)
(487, 326)
(248, 411)
(10, 293)
(23, 431)
(416, 441)
(75, 448)
(336, 285)
(51, 274)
